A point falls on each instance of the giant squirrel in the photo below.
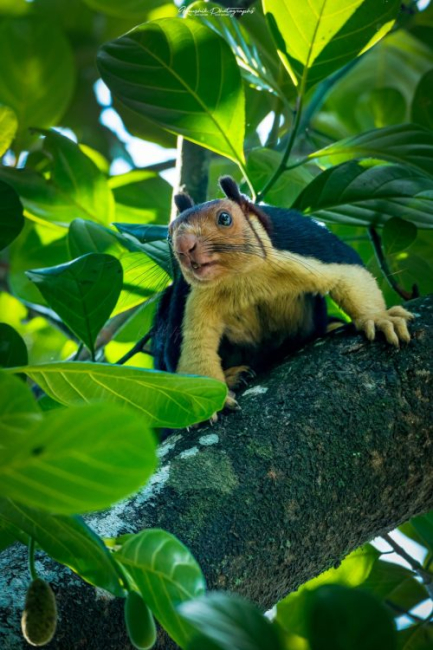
(249, 287)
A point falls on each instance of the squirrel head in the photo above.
(218, 239)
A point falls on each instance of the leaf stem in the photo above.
(138, 347)
(282, 166)
(31, 556)
(377, 246)
(425, 576)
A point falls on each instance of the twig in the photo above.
(425, 576)
(377, 246)
(138, 347)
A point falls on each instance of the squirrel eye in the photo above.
(225, 219)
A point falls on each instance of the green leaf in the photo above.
(75, 460)
(166, 574)
(352, 572)
(139, 621)
(37, 83)
(8, 128)
(183, 76)
(317, 38)
(9, 534)
(141, 197)
(422, 105)
(416, 637)
(142, 274)
(230, 622)
(406, 144)
(380, 107)
(158, 250)
(138, 324)
(242, 44)
(19, 411)
(163, 399)
(395, 585)
(13, 350)
(143, 233)
(423, 525)
(358, 194)
(262, 163)
(134, 9)
(397, 235)
(342, 618)
(11, 215)
(30, 250)
(69, 541)
(405, 60)
(82, 292)
(76, 176)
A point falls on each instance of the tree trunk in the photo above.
(332, 448)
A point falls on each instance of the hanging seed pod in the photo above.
(39, 619)
(139, 622)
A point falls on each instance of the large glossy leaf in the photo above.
(316, 38)
(242, 43)
(13, 350)
(11, 215)
(166, 575)
(18, 409)
(78, 459)
(142, 274)
(262, 163)
(405, 60)
(141, 197)
(395, 586)
(83, 292)
(183, 76)
(398, 234)
(77, 177)
(342, 618)
(406, 144)
(149, 242)
(163, 399)
(353, 571)
(8, 128)
(356, 194)
(422, 106)
(231, 622)
(39, 79)
(69, 541)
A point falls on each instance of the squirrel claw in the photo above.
(231, 402)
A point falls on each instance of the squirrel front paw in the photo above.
(238, 375)
(392, 323)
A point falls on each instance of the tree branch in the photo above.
(332, 448)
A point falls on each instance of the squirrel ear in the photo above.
(183, 201)
(230, 188)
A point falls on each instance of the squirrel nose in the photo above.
(186, 244)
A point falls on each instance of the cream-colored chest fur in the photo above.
(269, 320)
(266, 305)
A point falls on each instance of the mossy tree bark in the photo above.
(332, 448)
